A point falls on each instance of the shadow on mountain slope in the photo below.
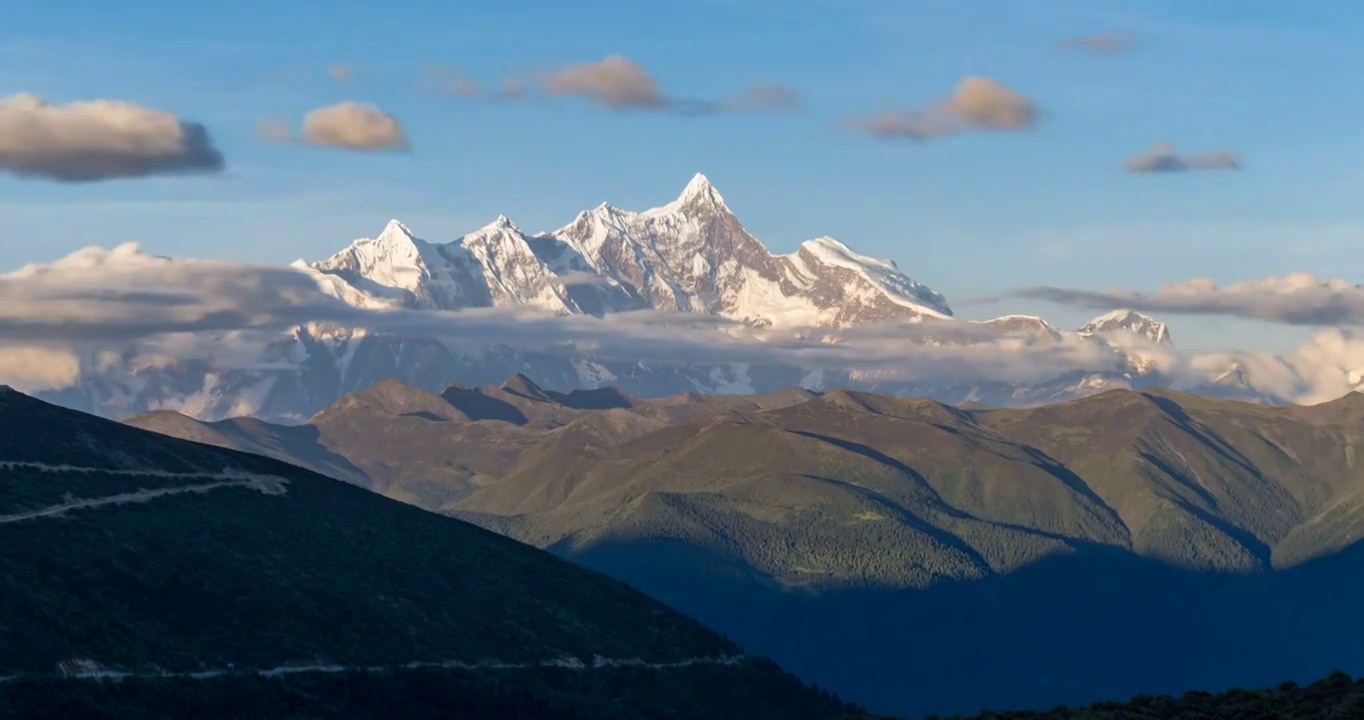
(477, 405)
(1083, 627)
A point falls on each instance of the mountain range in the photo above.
(179, 567)
(914, 556)
(691, 256)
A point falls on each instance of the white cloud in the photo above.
(1294, 299)
(345, 125)
(122, 296)
(620, 83)
(616, 82)
(33, 368)
(99, 140)
(226, 314)
(584, 278)
(977, 103)
(1324, 368)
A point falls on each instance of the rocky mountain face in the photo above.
(691, 255)
(1128, 321)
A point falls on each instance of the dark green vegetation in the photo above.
(295, 568)
(1336, 696)
(913, 556)
(542, 694)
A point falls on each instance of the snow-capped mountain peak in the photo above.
(1130, 321)
(882, 277)
(395, 229)
(1028, 325)
(394, 238)
(502, 223)
(698, 196)
(395, 264)
(499, 260)
(690, 255)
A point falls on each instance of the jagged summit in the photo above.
(396, 226)
(523, 386)
(698, 195)
(502, 222)
(1023, 325)
(394, 238)
(1130, 321)
(700, 187)
(690, 255)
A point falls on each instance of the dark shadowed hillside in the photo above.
(124, 551)
(615, 693)
(1335, 696)
(919, 557)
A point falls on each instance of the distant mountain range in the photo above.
(128, 553)
(914, 556)
(691, 255)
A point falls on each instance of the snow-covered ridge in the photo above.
(698, 190)
(1129, 321)
(882, 275)
(1022, 325)
(688, 255)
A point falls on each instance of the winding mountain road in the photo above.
(267, 484)
(272, 485)
(597, 663)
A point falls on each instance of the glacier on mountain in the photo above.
(691, 255)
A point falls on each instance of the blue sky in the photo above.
(970, 215)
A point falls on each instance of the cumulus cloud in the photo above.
(124, 295)
(1162, 158)
(1294, 299)
(977, 104)
(1103, 43)
(620, 83)
(345, 125)
(99, 140)
(616, 82)
(1327, 366)
(34, 368)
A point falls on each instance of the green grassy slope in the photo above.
(322, 572)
